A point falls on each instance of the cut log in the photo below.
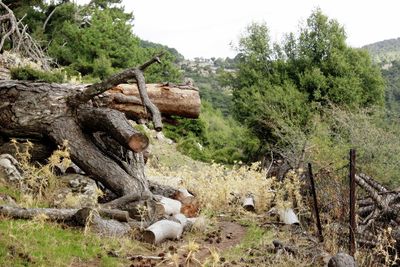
(115, 124)
(122, 201)
(91, 219)
(248, 204)
(286, 215)
(51, 214)
(170, 99)
(162, 230)
(190, 205)
(118, 215)
(171, 206)
(59, 214)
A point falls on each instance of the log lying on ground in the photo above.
(377, 212)
(171, 228)
(115, 222)
(162, 230)
(171, 206)
(382, 204)
(93, 220)
(286, 215)
(190, 205)
(171, 99)
(58, 112)
(58, 214)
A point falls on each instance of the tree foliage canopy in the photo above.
(291, 80)
(94, 40)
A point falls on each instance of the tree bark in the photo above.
(62, 112)
(170, 99)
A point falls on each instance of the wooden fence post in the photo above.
(352, 202)
(316, 210)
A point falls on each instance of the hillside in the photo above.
(232, 187)
(225, 235)
(385, 51)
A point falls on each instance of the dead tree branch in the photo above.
(21, 42)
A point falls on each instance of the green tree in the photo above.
(283, 85)
(95, 39)
(324, 67)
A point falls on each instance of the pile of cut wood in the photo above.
(378, 211)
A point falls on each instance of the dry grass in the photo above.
(39, 182)
(220, 189)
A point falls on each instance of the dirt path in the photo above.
(226, 235)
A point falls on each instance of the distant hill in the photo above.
(387, 55)
(384, 51)
(147, 44)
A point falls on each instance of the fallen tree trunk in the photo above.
(103, 221)
(59, 214)
(170, 99)
(56, 113)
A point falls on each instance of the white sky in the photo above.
(205, 28)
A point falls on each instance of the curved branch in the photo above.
(49, 17)
(156, 115)
(13, 22)
(153, 60)
(100, 87)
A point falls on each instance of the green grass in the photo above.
(30, 243)
(14, 193)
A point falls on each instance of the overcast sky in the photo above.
(206, 28)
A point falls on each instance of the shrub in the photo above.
(31, 74)
(214, 137)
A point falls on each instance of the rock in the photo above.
(8, 168)
(9, 201)
(79, 191)
(161, 137)
(73, 168)
(279, 246)
(342, 260)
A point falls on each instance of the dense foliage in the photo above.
(214, 137)
(92, 40)
(32, 74)
(289, 82)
